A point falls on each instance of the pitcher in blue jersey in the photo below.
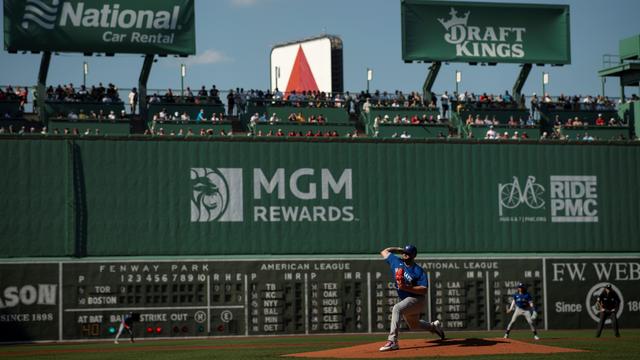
(522, 303)
(411, 283)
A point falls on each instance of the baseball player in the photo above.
(522, 303)
(411, 283)
(126, 324)
(608, 303)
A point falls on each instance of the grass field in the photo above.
(606, 347)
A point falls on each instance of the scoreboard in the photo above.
(72, 300)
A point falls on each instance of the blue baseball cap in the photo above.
(410, 250)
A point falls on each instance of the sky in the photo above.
(234, 40)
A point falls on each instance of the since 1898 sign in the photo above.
(485, 32)
(141, 26)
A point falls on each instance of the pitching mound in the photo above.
(449, 347)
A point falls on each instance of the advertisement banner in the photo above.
(246, 197)
(485, 32)
(29, 302)
(574, 284)
(142, 26)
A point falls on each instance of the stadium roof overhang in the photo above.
(629, 73)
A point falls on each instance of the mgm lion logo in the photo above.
(216, 195)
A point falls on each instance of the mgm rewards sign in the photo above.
(485, 32)
(141, 26)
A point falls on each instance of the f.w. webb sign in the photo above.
(485, 32)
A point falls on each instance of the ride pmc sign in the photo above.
(142, 26)
(485, 32)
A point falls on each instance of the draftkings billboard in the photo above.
(485, 32)
(141, 26)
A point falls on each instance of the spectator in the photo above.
(133, 100)
(491, 134)
(230, 102)
(444, 101)
(600, 120)
(201, 117)
(155, 99)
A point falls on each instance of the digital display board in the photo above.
(73, 300)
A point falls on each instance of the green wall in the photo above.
(162, 197)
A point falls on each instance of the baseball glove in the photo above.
(400, 276)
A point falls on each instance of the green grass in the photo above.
(606, 347)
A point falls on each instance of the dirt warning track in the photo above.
(450, 347)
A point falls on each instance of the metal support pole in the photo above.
(142, 86)
(182, 74)
(434, 69)
(42, 84)
(522, 78)
(85, 70)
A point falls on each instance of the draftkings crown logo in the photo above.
(489, 42)
(455, 20)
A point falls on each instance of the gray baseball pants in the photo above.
(410, 309)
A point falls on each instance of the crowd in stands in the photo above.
(271, 133)
(203, 96)
(304, 134)
(19, 94)
(493, 134)
(92, 115)
(573, 103)
(406, 135)
(9, 130)
(557, 134)
(408, 120)
(96, 94)
(512, 122)
(184, 117)
(298, 118)
(577, 122)
(33, 130)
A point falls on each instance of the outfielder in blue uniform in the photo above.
(411, 283)
(522, 303)
(126, 324)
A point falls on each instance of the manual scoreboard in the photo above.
(87, 299)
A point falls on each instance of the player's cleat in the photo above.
(506, 336)
(536, 337)
(438, 328)
(389, 346)
(116, 342)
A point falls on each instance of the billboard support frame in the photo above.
(142, 84)
(42, 84)
(434, 69)
(522, 78)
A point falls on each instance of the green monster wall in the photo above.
(62, 197)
